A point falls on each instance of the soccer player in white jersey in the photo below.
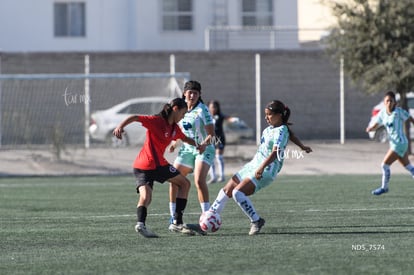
(263, 168)
(393, 118)
(197, 124)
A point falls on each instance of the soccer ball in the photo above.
(210, 221)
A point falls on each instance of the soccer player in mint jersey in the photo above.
(393, 118)
(197, 124)
(150, 164)
(263, 168)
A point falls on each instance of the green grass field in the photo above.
(314, 225)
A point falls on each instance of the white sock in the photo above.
(220, 166)
(212, 172)
(173, 206)
(205, 206)
(246, 205)
(410, 168)
(220, 202)
(386, 175)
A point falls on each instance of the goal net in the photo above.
(55, 109)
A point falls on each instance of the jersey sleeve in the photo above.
(206, 116)
(281, 137)
(148, 121)
(378, 119)
(404, 114)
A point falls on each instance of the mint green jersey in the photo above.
(194, 122)
(271, 137)
(394, 124)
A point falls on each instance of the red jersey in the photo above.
(158, 136)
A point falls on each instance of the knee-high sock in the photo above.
(246, 205)
(410, 168)
(386, 175)
(220, 166)
(219, 202)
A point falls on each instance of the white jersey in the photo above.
(394, 124)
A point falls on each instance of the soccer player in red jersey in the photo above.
(150, 165)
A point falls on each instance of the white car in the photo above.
(104, 122)
(380, 134)
(236, 129)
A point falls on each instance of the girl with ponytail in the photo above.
(150, 165)
(263, 168)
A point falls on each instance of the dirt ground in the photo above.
(328, 157)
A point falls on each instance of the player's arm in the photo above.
(270, 159)
(411, 119)
(120, 128)
(296, 140)
(200, 147)
(210, 134)
(372, 127)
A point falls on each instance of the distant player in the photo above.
(393, 119)
(217, 172)
(150, 164)
(263, 168)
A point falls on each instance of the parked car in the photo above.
(235, 130)
(105, 121)
(380, 134)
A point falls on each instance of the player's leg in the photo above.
(406, 163)
(145, 197)
(200, 180)
(175, 191)
(220, 163)
(390, 157)
(224, 195)
(177, 224)
(240, 196)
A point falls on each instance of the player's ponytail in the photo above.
(168, 108)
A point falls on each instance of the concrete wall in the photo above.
(306, 81)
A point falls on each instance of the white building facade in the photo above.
(147, 25)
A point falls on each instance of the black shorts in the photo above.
(160, 174)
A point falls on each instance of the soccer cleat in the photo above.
(181, 228)
(256, 226)
(379, 191)
(211, 181)
(196, 228)
(144, 231)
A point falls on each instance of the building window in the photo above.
(257, 12)
(70, 19)
(177, 15)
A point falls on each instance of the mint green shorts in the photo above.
(399, 148)
(268, 176)
(188, 155)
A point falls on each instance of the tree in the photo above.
(375, 38)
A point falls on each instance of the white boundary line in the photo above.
(194, 213)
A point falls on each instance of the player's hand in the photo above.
(118, 132)
(307, 149)
(172, 147)
(258, 174)
(201, 148)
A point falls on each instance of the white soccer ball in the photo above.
(210, 221)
